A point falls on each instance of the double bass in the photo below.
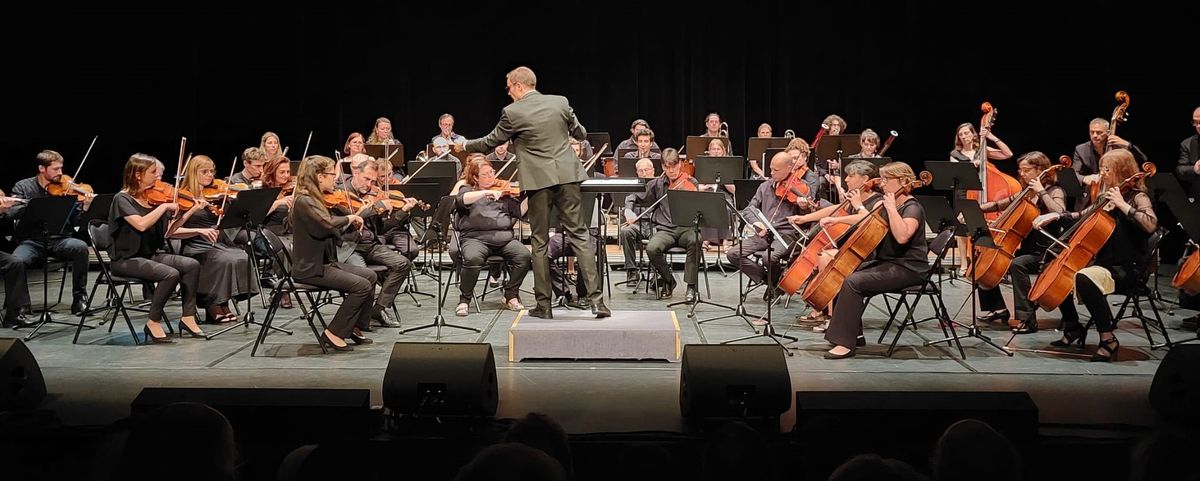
(1119, 115)
(861, 244)
(996, 185)
(1084, 240)
(1009, 230)
(806, 264)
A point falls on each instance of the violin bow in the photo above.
(85, 157)
(305, 153)
(592, 161)
(179, 168)
(225, 197)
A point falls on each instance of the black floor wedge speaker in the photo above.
(734, 381)
(21, 384)
(434, 379)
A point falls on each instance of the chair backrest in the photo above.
(101, 237)
(940, 245)
(1147, 262)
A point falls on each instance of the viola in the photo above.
(1084, 240)
(861, 245)
(66, 186)
(820, 238)
(1009, 230)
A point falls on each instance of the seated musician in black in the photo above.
(1050, 199)
(900, 261)
(667, 234)
(777, 210)
(1120, 260)
(485, 227)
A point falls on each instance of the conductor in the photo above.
(540, 128)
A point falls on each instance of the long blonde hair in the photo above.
(897, 170)
(263, 145)
(191, 175)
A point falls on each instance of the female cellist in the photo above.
(901, 260)
(1050, 199)
(225, 271)
(1119, 260)
(139, 231)
(856, 173)
(316, 263)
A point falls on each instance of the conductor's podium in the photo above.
(577, 334)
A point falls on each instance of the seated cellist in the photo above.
(900, 261)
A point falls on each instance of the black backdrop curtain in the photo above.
(222, 75)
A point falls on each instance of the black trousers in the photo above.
(406, 245)
(846, 324)
(357, 284)
(558, 248)
(744, 258)
(474, 255)
(1023, 266)
(397, 264)
(565, 198)
(1096, 302)
(16, 286)
(166, 271)
(664, 239)
(76, 250)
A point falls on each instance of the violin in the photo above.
(158, 194)
(684, 182)
(66, 186)
(793, 188)
(287, 189)
(860, 246)
(186, 201)
(397, 200)
(506, 187)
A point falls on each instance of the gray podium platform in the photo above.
(574, 334)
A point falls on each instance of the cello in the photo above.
(1009, 230)
(1085, 239)
(1187, 279)
(802, 268)
(861, 244)
(1119, 115)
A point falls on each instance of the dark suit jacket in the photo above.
(540, 127)
(1085, 161)
(314, 231)
(1189, 150)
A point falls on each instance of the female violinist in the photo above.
(900, 261)
(315, 231)
(270, 147)
(827, 232)
(966, 144)
(1118, 262)
(1050, 199)
(485, 228)
(225, 271)
(139, 231)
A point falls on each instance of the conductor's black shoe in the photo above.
(79, 305)
(541, 312)
(692, 295)
(600, 309)
(666, 289)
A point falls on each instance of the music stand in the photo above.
(756, 149)
(838, 147)
(436, 168)
(743, 192)
(696, 210)
(878, 161)
(43, 218)
(382, 151)
(719, 170)
(587, 213)
(437, 232)
(1069, 182)
(598, 139)
(697, 145)
(977, 229)
(246, 214)
(430, 193)
(1165, 189)
(768, 330)
(502, 170)
(956, 177)
(628, 167)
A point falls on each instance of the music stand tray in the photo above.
(713, 170)
(502, 171)
(757, 147)
(697, 145)
(384, 151)
(436, 168)
(953, 175)
(429, 193)
(628, 167)
(829, 146)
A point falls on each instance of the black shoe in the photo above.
(692, 295)
(79, 305)
(600, 309)
(381, 319)
(358, 338)
(1069, 339)
(541, 312)
(1107, 351)
(1190, 323)
(17, 319)
(326, 341)
(184, 328)
(156, 340)
(994, 316)
(666, 289)
(579, 303)
(1027, 327)
(860, 342)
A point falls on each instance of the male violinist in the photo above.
(777, 209)
(50, 166)
(253, 160)
(667, 234)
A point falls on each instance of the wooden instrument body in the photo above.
(824, 287)
(1187, 279)
(806, 264)
(1057, 279)
(993, 263)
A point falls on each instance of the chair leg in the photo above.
(317, 332)
(1157, 319)
(266, 322)
(62, 283)
(908, 318)
(891, 314)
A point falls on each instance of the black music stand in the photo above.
(43, 218)
(697, 145)
(246, 214)
(768, 330)
(436, 168)
(628, 167)
(743, 192)
(383, 151)
(700, 209)
(878, 161)
(719, 170)
(977, 229)
(598, 139)
(503, 168)
(437, 233)
(429, 193)
(1072, 189)
(837, 147)
(1165, 189)
(757, 147)
(956, 177)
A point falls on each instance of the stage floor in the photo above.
(93, 382)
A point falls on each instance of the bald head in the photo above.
(781, 165)
(1196, 119)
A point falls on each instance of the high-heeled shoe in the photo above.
(329, 342)
(1111, 346)
(156, 340)
(994, 316)
(184, 328)
(1069, 339)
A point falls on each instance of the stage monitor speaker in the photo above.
(734, 381)
(834, 425)
(432, 379)
(1175, 391)
(21, 384)
(306, 414)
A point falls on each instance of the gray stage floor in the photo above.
(94, 381)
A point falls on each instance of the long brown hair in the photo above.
(306, 180)
(471, 172)
(134, 167)
(958, 143)
(269, 171)
(1121, 165)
